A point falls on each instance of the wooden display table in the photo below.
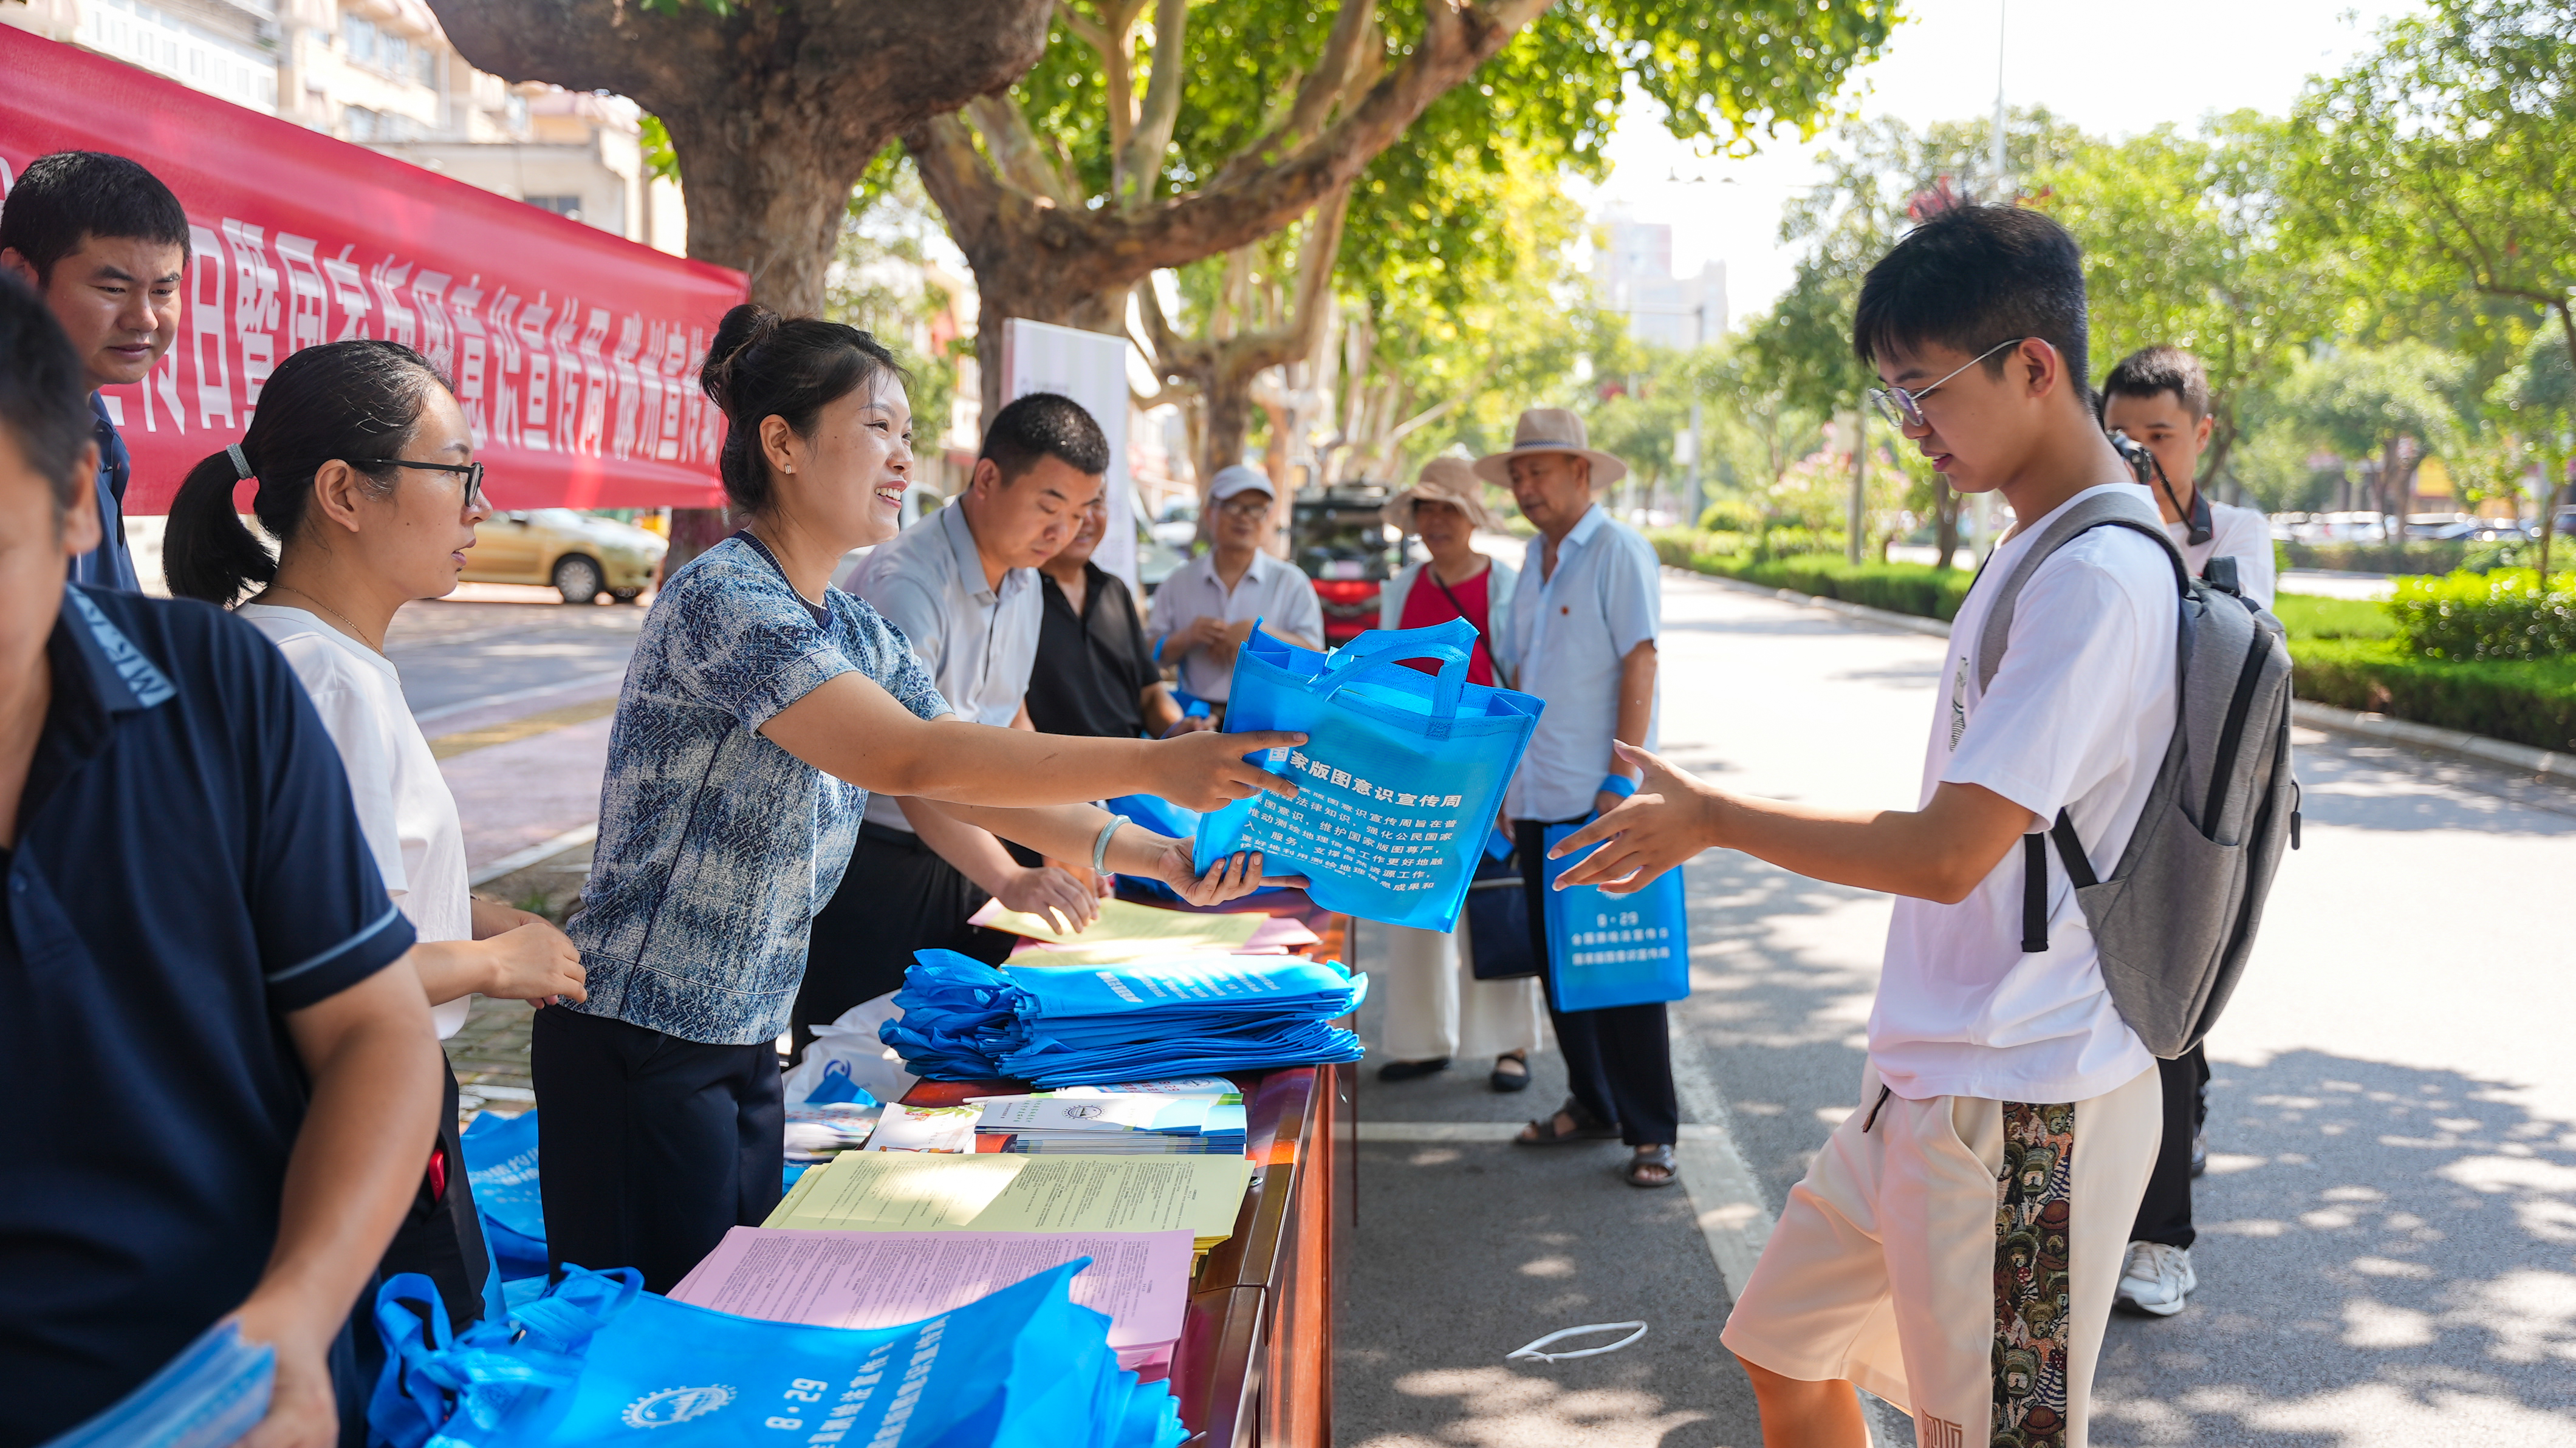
(1255, 1361)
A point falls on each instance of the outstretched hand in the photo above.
(1663, 824)
(1207, 772)
(1235, 875)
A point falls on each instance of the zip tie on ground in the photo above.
(1532, 1352)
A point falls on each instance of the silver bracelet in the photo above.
(1100, 846)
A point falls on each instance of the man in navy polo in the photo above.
(226, 1076)
(106, 245)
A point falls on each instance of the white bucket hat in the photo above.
(1444, 480)
(1550, 430)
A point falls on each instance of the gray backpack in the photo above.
(2177, 918)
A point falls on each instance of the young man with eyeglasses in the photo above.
(1205, 611)
(105, 244)
(2159, 397)
(1956, 1244)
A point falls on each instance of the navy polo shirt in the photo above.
(188, 869)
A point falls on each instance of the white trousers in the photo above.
(1883, 1267)
(1436, 1008)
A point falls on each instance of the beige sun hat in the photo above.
(1546, 430)
(1444, 480)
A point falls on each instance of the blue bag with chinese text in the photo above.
(1614, 950)
(1398, 781)
(501, 1161)
(596, 1362)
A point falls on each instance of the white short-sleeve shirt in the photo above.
(1570, 633)
(404, 807)
(978, 641)
(2239, 533)
(1271, 590)
(2078, 718)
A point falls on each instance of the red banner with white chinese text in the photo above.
(574, 352)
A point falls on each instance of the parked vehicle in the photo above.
(578, 556)
(1178, 525)
(1338, 537)
(2441, 527)
(1156, 559)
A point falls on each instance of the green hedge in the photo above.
(2527, 701)
(1909, 588)
(2502, 615)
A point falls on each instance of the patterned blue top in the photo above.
(716, 846)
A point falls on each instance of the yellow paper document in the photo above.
(905, 1192)
(1123, 932)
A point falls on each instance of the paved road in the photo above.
(2389, 1225)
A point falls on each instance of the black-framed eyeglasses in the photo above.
(1905, 408)
(1246, 507)
(473, 473)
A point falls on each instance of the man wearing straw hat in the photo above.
(1436, 1009)
(1582, 629)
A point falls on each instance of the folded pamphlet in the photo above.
(871, 1191)
(1140, 1280)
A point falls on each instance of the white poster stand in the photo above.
(1090, 368)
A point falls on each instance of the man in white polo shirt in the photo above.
(962, 585)
(1206, 610)
(1584, 619)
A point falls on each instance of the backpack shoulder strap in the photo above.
(2116, 509)
(2121, 508)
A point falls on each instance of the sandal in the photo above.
(1543, 1132)
(1512, 1080)
(1412, 1070)
(1653, 1158)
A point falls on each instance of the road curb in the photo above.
(2378, 728)
(2521, 758)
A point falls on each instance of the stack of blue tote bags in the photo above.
(599, 1363)
(1398, 781)
(1154, 1020)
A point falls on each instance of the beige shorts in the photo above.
(1909, 1263)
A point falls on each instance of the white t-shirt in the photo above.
(2239, 533)
(2078, 718)
(404, 807)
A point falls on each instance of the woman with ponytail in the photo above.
(760, 707)
(364, 475)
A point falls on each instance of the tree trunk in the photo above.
(773, 110)
(1040, 251)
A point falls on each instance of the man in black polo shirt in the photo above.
(1094, 674)
(227, 1079)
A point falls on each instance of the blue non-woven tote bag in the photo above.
(1399, 778)
(501, 1161)
(1614, 950)
(598, 1363)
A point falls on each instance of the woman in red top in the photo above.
(1435, 1007)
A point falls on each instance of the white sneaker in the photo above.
(2155, 1279)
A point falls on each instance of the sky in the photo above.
(2112, 69)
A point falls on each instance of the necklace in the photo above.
(354, 631)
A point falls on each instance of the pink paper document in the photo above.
(1141, 1280)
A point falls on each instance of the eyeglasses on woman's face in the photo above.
(473, 473)
(1905, 408)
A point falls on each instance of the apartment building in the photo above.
(382, 74)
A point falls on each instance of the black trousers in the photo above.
(2164, 1213)
(1618, 1061)
(897, 897)
(651, 1147)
